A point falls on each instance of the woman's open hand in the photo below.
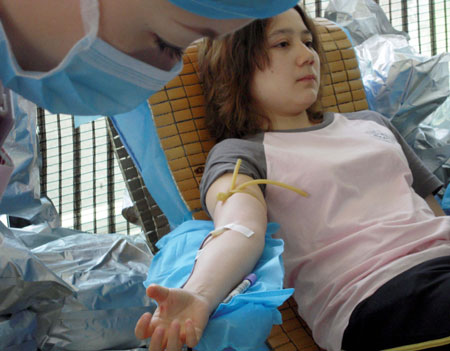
(180, 319)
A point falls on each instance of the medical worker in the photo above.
(104, 57)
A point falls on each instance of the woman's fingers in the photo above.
(157, 338)
(174, 342)
(141, 330)
(168, 340)
(191, 336)
(157, 292)
(164, 326)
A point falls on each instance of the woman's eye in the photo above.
(283, 44)
(309, 44)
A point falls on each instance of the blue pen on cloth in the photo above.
(242, 287)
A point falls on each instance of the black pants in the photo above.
(412, 308)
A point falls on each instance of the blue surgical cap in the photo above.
(227, 9)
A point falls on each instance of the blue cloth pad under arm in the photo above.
(250, 314)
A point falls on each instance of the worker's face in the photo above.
(156, 31)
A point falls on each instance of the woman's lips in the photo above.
(308, 77)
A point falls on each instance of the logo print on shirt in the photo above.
(381, 136)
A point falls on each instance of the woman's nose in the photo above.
(305, 55)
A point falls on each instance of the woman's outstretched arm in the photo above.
(225, 260)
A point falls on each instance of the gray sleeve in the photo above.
(424, 182)
(223, 157)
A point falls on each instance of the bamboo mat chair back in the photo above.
(179, 116)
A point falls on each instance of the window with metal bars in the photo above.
(426, 21)
(81, 175)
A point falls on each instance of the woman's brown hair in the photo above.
(226, 69)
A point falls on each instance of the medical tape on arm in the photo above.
(231, 226)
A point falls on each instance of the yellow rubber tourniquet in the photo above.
(241, 188)
(423, 345)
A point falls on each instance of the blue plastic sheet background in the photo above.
(256, 309)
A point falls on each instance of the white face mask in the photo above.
(93, 79)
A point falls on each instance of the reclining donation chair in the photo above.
(178, 113)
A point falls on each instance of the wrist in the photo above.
(205, 293)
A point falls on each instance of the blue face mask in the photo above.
(93, 79)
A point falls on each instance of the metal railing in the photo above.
(81, 175)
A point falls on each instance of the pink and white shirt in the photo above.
(364, 222)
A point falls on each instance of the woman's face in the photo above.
(289, 84)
